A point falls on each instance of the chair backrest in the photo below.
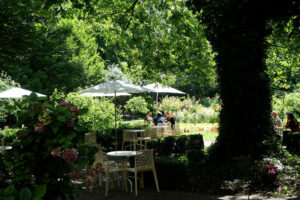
(90, 138)
(160, 124)
(144, 160)
(129, 135)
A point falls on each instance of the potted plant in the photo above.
(269, 168)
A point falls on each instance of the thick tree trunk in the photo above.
(238, 38)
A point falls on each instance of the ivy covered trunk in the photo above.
(244, 88)
(237, 34)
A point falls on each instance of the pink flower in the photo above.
(64, 104)
(181, 105)
(255, 161)
(171, 113)
(208, 98)
(56, 152)
(272, 171)
(269, 166)
(166, 105)
(70, 155)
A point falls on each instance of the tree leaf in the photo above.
(25, 194)
(39, 191)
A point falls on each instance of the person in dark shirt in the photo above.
(170, 119)
(159, 118)
(292, 123)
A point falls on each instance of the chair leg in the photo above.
(123, 145)
(155, 179)
(107, 185)
(100, 179)
(125, 180)
(142, 180)
(135, 183)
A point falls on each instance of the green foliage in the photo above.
(9, 135)
(135, 125)
(6, 82)
(288, 103)
(137, 105)
(46, 151)
(176, 145)
(292, 141)
(283, 55)
(9, 193)
(100, 114)
(191, 110)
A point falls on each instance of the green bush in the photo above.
(137, 105)
(9, 135)
(292, 141)
(196, 156)
(172, 173)
(288, 103)
(190, 110)
(47, 151)
(176, 145)
(100, 114)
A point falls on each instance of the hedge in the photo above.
(292, 141)
(176, 145)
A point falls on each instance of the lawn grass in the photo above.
(191, 128)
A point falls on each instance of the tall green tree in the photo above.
(283, 55)
(237, 31)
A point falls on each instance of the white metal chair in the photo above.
(135, 143)
(144, 161)
(110, 168)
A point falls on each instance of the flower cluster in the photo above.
(69, 155)
(269, 166)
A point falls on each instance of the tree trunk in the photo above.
(238, 36)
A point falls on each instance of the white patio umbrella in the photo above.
(158, 88)
(115, 87)
(17, 93)
(105, 94)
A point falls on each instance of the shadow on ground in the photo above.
(151, 194)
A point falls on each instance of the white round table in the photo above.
(122, 153)
(5, 148)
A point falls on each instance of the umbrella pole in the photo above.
(116, 142)
(156, 100)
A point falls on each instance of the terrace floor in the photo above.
(151, 194)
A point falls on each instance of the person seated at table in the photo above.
(170, 119)
(159, 118)
(149, 118)
(292, 123)
(277, 120)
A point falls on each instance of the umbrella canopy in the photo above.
(116, 86)
(158, 88)
(94, 94)
(17, 93)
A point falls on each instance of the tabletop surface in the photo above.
(159, 126)
(135, 130)
(122, 153)
(6, 147)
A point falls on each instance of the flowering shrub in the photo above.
(269, 168)
(191, 110)
(46, 152)
(100, 114)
